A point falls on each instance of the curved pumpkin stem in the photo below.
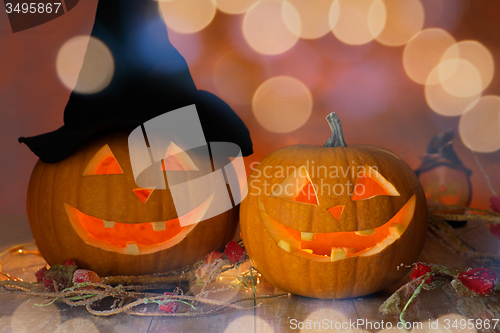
(337, 137)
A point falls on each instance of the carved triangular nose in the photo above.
(143, 193)
(336, 211)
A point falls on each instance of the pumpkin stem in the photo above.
(337, 138)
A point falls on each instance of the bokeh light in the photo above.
(235, 7)
(265, 29)
(460, 78)
(424, 52)
(236, 78)
(357, 22)
(442, 102)
(248, 324)
(282, 104)
(87, 77)
(24, 320)
(187, 16)
(313, 17)
(477, 55)
(336, 321)
(479, 127)
(404, 20)
(77, 325)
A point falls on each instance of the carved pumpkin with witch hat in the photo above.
(84, 201)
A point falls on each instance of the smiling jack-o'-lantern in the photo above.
(89, 208)
(333, 221)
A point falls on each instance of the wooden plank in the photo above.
(436, 252)
(226, 288)
(481, 309)
(293, 313)
(20, 314)
(77, 319)
(482, 240)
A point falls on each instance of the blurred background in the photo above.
(396, 72)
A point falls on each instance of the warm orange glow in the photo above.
(348, 244)
(370, 189)
(479, 127)
(307, 195)
(404, 20)
(357, 22)
(126, 238)
(371, 183)
(265, 30)
(424, 52)
(103, 163)
(297, 186)
(187, 16)
(336, 211)
(143, 193)
(282, 104)
(313, 17)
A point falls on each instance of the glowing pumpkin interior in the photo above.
(329, 247)
(134, 238)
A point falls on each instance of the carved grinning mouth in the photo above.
(133, 238)
(329, 247)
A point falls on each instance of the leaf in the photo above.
(397, 301)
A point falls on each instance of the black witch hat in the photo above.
(150, 78)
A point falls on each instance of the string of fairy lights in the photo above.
(454, 73)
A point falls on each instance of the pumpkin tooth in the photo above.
(108, 224)
(337, 254)
(396, 230)
(159, 226)
(307, 236)
(367, 232)
(350, 251)
(285, 245)
(132, 248)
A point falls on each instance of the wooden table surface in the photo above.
(290, 313)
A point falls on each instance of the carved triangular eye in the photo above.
(370, 183)
(177, 159)
(103, 163)
(297, 186)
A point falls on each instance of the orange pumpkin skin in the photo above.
(350, 277)
(53, 186)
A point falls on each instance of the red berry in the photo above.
(40, 274)
(479, 280)
(69, 262)
(84, 275)
(234, 253)
(495, 204)
(495, 230)
(421, 270)
(170, 306)
(212, 256)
